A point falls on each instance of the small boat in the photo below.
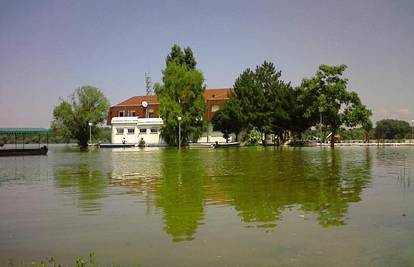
(230, 144)
(116, 145)
(23, 151)
(202, 145)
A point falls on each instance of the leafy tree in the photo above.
(181, 95)
(182, 57)
(392, 129)
(260, 100)
(71, 117)
(229, 119)
(300, 119)
(330, 97)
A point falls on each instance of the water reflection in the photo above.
(261, 184)
(85, 178)
(181, 192)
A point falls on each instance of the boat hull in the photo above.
(23, 152)
(116, 145)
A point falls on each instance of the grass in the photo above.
(51, 262)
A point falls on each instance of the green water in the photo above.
(351, 206)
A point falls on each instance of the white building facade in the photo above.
(131, 130)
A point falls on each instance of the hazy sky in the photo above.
(49, 48)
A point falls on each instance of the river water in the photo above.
(350, 206)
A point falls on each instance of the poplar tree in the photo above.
(181, 95)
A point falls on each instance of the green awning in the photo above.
(24, 131)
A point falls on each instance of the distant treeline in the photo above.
(387, 129)
(102, 135)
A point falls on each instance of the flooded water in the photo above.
(351, 206)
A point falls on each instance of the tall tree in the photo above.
(262, 99)
(181, 57)
(181, 95)
(229, 119)
(71, 117)
(337, 105)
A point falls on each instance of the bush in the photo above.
(252, 138)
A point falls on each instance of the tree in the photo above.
(328, 91)
(181, 57)
(261, 100)
(229, 119)
(392, 129)
(71, 117)
(148, 84)
(181, 95)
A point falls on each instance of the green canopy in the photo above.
(24, 131)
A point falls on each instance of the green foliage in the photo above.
(260, 100)
(181, 57)
(252, 138)
(229, 119)
(392, 129)
(328, 95)
(181, 95)
(71, 117)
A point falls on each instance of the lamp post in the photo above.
(90, 132)
(412, 128)
(179, 132)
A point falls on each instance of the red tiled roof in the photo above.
(222, 93)
(209, 94)
(137, 100)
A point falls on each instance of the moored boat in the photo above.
(230, 144)
(116, 145)
(23, 151)
(201, 145)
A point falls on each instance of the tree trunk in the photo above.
(333, 138)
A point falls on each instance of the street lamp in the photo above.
(179, 132)
(412, 133)
(90, 132)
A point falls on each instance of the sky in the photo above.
(48, 48)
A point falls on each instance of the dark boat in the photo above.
(116, 145)
(23, 152)
(230, 144)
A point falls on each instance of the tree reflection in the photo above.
(316, 181)
(180, 193)
(88, 183)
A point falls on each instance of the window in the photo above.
(131, 113)
(131, 130)
(150, 113)
(121, 114)
(143, 131)
(215, 108)
(119, 130)
(154, 130)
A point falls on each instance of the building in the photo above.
(137, 118)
